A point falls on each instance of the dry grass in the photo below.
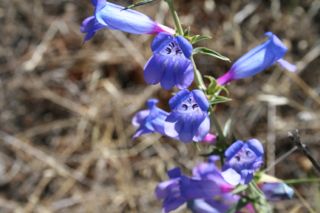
(65, 127)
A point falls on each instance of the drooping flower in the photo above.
(170, 64)
(116, 17)
(274, 189)
(277, 191)
(242, 160)
(205, 192)
(209, 170)
(257, 60)
(188, 120)
(222, 201)
(180, 189)
(150, 120)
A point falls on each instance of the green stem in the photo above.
(217, 126)
(305, 180)
(175, 16)
(260, 203)
(197, 76)
(177, 23)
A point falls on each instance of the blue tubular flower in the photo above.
(242, 160)
(257, 60)
(188, 120)
(170, 64)
(180, 189)
(277, 191)
(217, 204)
(114, 17)
(150, 120)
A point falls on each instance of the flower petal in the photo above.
(184, 74)
(178, 98)
(201, 99)
(203, 130)
(286, 65)
(160, 42)
(231, 176)
(153, 70)
(233, 149)
(168, 79)
(185, 46)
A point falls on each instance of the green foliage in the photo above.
(139, 3)
(209, 52)
(213, 91)
(195, 39)
(241, 203)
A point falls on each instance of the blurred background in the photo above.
(66, 107)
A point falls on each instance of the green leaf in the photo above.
(212, 88)
(239, 188)
(219, 99)
(197, 38)
(139, 3)
(209, 52)
(186, 33)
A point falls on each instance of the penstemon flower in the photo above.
(188, 120)
(257, 60)
(242, 160)
(150, 120)
(180, 189)
(205, 192)
(170, 64)
(277, 191)
(274, 189)
(116, 17)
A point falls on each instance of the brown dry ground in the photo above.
(65, 128)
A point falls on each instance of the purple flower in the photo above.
(188, 120)
(150, 120)
(114, 17)
(275, 191)
(170, 64)
(224, 199)
(257, 60)
(218, 204)
(242, 160)
(180, 189)
(209, 170)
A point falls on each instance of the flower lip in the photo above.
(188, 120)
(242, 160)
(168, 65)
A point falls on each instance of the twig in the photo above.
(295, 138)
(281, 158)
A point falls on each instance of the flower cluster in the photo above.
(171, 65)
(188, 120)
(208, 192)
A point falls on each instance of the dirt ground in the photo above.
(66, 108)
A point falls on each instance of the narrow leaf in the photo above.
(219, 99)
(139, 3)
(197, 38)
(212, 85)
(209, 52)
